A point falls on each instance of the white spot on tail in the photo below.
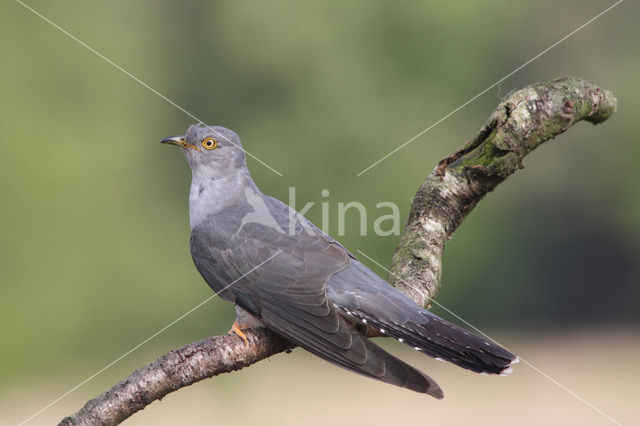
(506, 371)
(382, 330)
(401, 340)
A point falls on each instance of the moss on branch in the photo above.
(521, 123)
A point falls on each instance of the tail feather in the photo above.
(448, 342)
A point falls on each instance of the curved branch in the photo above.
(521, 123)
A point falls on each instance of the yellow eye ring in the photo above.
(210, 143)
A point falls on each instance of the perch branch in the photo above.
(179, 368)
(521, 123)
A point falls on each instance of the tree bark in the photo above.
(520, 123)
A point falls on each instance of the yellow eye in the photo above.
(210, 143)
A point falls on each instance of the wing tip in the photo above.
(437, 393)
(425, 385)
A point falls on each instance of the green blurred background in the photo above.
(94, 226)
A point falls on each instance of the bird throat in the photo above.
(210, 195)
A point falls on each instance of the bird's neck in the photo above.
(210, 195)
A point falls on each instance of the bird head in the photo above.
(212, 150)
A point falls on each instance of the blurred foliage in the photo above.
(94, 251)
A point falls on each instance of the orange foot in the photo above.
(238, 331)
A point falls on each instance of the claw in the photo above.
(235, 329)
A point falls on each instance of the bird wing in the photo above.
(281, 280)
(362, 294)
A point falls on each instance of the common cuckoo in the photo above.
(284, 273)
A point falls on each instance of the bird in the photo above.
(283, 273)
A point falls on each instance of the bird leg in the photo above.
(235, 329)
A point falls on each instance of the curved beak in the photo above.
(175, 140)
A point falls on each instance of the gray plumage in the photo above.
(302, 284)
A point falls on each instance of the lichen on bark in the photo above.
(521, 122)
